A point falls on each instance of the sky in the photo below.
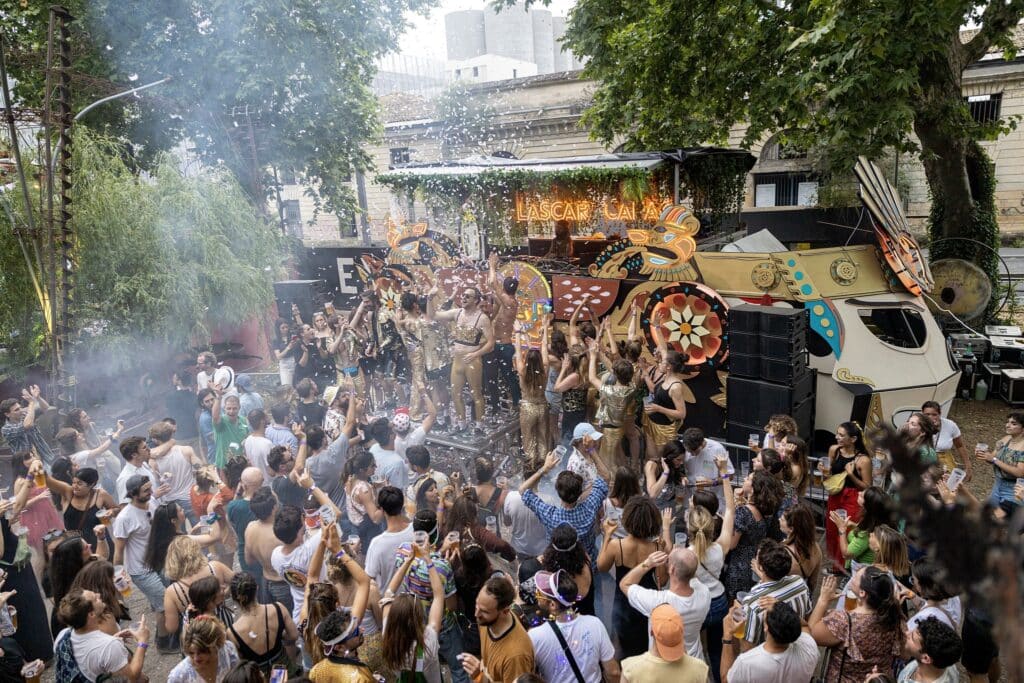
(425, 37)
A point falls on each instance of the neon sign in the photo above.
(580, 210)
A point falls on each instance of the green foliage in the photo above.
(982, 246)
(160, 257)
(301, 68)
(716, 183)
(491, 194)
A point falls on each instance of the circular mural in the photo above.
(691, 318)
(533, 296)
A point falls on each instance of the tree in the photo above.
(855, 77)
(299, 71)
(160, 256)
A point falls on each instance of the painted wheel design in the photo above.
(692, 319)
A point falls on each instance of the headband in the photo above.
(554, 589)
(564, 550)
(345, 635)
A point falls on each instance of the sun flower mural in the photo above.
(693, 320)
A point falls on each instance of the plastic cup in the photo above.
(12, 612)
(744, 469)
(312, 519)
(850, 602)
(955, 478)
(106, 517)
(753, 440)
(648, 399)
(453, 537)
(40, 480)
(420, 538)
(492, 523)
(981, 448)
(843, 514)
(353, 540)
(122, 582)
(680, 539)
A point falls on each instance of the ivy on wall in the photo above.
(714, 183)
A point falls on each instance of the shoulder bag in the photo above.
(568, 653)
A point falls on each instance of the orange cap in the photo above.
(667, 627)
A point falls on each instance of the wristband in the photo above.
(340, 555)
(725, 477)
(142, 646)
(314, 487)
(728, 642)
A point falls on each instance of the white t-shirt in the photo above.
(709, 570)
(527, 534)
(795, 665)
(951, 609)
(222, 376)
(106, 465)
(416, 437)
(588, 640)
(429, 664)
(292, 567)
(133, 525)
(580, 465)
(703, 465)
(96, 653)
(947, 432)
(391, 466)
(179, 467)
(693, 610)
(127, 472)
(380, 556)
(257, 448)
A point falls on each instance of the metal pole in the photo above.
(50, 237)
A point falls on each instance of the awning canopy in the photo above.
(643, 160)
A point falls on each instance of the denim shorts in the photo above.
(152, 586)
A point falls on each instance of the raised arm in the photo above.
(435, 314)
(729, 516)
(595, 381)
(574, 336)
(544, 341)
(552, 461)
(519, 359)
(217, 400)
(634, 318)
(437, 597)
(656, 559)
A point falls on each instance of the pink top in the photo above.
(40, 516)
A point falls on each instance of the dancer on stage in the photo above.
(428, 354)
(472, 338)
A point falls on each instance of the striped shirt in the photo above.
(790, 589)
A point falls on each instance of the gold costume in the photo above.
(472, 337)
(534, 425)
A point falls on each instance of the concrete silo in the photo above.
(543, 41)
(561, 57)
(509, 33)
(464, 34)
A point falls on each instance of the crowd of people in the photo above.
(302, 533)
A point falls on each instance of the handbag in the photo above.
(835, 483)
(568, 653)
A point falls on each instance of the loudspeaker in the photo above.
(745, 319)
(783, 348)
(803, 414)
(744, 342)
(306, 294)
(743, 365)
(782, 371)
(752, 401)
(783, 322)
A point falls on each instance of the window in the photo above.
(785, 189)
(985, 108)
(287, 176)
(347, 224)
(896, 326)
(292, 217)
(515, 73)
(458, 73)
(476, 71)
(774, 150)
(399, 155)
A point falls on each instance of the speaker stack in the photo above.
(768, 370)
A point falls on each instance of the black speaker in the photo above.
(745, 319)
(743, 365)
(744, 342)
(306, 294)
(783, 322)
(752, 401)
(782, 348)
(782, 371)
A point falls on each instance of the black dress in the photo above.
(33, 634)
(629, 624)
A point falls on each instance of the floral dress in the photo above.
(1002, 484)
(738, 576)
(865, 645)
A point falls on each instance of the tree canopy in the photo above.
(160, 255)
(299, 71)
(853, 77)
